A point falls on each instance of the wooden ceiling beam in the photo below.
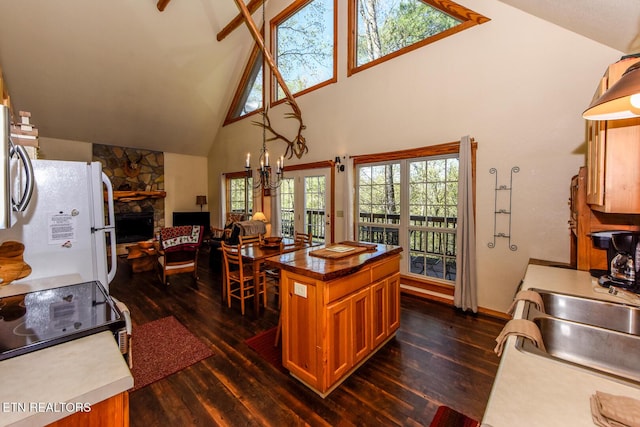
(252, 6)
(162, 4)
(253, 29)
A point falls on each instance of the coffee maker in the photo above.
(624, 262)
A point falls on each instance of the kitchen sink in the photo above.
(605, 314)
(596, 335)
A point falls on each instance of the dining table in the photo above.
(256, 253)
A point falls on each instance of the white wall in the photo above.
(185, 178)
(517, 84)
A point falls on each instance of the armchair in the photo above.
(179, 248)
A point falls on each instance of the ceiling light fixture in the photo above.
(620, 101)
(266, 179)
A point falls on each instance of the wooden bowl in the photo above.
(145, 245)
(272, 240)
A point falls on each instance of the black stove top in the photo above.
(40, 319)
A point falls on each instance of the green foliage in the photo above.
(305, 46)
(386, 26)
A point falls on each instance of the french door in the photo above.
(304, 203)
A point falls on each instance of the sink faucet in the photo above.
(624, 294)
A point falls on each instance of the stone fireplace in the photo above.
(137, 177)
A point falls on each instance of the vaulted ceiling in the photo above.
(122, 73)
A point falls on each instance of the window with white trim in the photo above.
(412, 203)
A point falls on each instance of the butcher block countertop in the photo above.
(304, 261)
(531, 390)
(43, 386)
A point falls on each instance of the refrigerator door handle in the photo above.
(111, 228)
(19, 150)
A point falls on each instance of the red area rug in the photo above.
(161, 348)
(262, 344)
(447, 417)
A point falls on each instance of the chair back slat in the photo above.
(246, 240)
(303, 239)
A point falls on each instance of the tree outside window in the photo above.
(240, 198)
(304, 46)
(412, 203)
(383, 29)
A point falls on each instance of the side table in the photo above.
(142, 259)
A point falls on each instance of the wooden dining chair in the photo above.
(239, 278)
(246, 240)
(303, 239)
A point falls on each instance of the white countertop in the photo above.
(43, 386)
(531, 390)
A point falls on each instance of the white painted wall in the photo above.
(185, 178)
(517, 84)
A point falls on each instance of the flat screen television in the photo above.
(192, 218)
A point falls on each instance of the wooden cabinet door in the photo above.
(393, 303)
(339, 345)
(300, 337)
(361, 325)
(348, 333)
(613, 155)
(112, 412)
(595, 159)
(378, 313)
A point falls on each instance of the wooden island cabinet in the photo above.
(336, 313)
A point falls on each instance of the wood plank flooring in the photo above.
(439, 356)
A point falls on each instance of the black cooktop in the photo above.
(40, 319)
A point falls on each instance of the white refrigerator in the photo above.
(64, 227)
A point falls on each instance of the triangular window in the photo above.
(383, 29)
(250, 93)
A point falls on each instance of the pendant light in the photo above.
(620, 101)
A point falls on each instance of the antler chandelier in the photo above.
(266, 179)
(297, 145)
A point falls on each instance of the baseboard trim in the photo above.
(440, 293)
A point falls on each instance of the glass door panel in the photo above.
(304, 203)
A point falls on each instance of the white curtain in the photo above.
(276, 218)
(466, 293)
(222, 206)
(349, 218)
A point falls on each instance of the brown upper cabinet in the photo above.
(613, 156)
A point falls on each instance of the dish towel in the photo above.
(608, 410)
(526, 295)
(520, 327)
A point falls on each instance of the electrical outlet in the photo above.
(300, 289)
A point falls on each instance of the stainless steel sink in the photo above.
(596, 335)
(609, 315)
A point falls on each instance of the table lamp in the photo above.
(201, 200)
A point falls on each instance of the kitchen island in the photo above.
(536, 391)
(338, 309)
(80, 382)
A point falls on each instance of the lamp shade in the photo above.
(201, 200)
(620, 101)
(259, 216)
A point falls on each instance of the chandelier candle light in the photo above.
(267, 180)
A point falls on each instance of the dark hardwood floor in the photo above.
(439, 356)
